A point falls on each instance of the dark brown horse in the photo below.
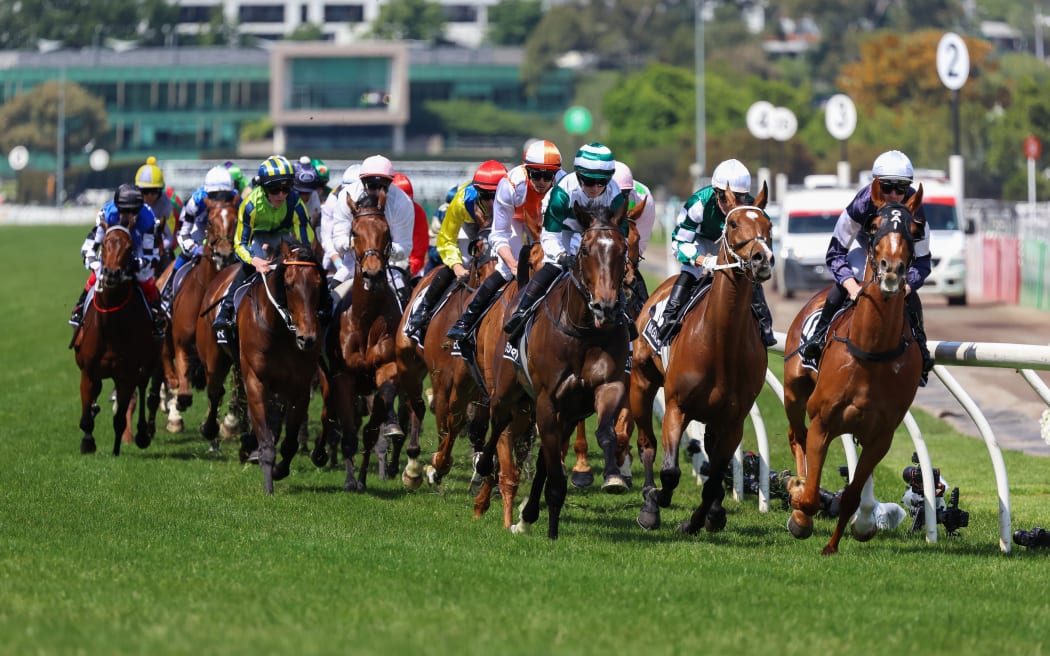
(574, 359)
(362, 370)
(280, 345)
(711, 373)
(116, 341)
(869, 373)
(180, 353)
(217, 362)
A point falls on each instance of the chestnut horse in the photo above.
(574, 357)
(217, 362)
(116, 341)
(180, 353)
(362, 371)
(280, 346)
(868, 377)
(712, 372)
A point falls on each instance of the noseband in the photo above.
(895, 220)
(573, 272)
(283, 313)
(739, 262)
(381, 254)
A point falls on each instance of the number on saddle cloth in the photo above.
(651, 331)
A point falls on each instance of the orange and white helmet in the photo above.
(542, 155)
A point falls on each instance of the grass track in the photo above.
(172, 551)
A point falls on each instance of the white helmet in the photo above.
(893, 165)
(376, 166)
(731, 173)
(218, 179)
(350, 174)
(622, 176)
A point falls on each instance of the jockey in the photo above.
(433, 257)
(164, 202)
(472, 201)
(239, 183)
(590, 184)
(128, 209)
(520, 193)
(323, 177)
(695, 239)
(271, 213)
(635, 192)
(420, 231)
(847, 253)
(340, 265)
(305, 184)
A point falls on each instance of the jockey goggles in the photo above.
(221, 195)
(541, 175)
(277, 188)
(897, 186)
(740, 198)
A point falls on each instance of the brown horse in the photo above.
(712, 372)
(180, 353)
(217, 362)
(574, 359)
(362, 371)
(280, 346)
(869, 373)
(116, 341)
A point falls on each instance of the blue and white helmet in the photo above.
(893, 165)
(731, 174)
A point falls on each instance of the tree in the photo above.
(31, 119)
(417, 20)
(306, 32)
(81, 23)
(511, 21)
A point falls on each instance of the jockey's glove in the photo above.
(565, 261)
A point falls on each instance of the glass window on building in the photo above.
(261, 13)
(198, 14)
(337, 83)
(460, 13)
(344, 13)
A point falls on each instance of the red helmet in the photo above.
(489, 174)
(542, 155)
(401, 180)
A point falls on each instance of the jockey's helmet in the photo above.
(732, 174)
(401, 180)
(237, 175)
(128, 198)
(542, 155)
(218, 179)
(275, 169)
(376, 166)
(305, 178)
(623, 177)
(350, 174)
(594, 161)
(323, 174)
(149, 175)
(488, 175)
(893, 165)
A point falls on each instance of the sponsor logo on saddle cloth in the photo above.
(414, 307)
(515, 350)
(651, 330)
(808, 325)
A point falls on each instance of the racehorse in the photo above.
(573, 362)
(217, 362)
(181, 345)
(711, 373)
(360, 348)
(454, 386)
(116, 341)
(869, 374)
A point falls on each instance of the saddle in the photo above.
(413, 308)
(651, 331)
(808, 326)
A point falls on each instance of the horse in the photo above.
(869, 373)
(573, 364)
(180, 352)
(711, 373)
(116, 341)
(455, 388)
(362, 369)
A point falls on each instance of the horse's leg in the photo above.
(476, 430)
(128, 437)
(795, 408)
(531, 511)
(641, 410)
(153, 404)
(344, 406)
(581, 470)
(215, 389)
(673, 427)
(390, 431)
(257, 395)
(623, 443)
(873, 453)
(125, 392)
(720, 448)
(89, 391)
(508, 476)
(484, 465)
(294, 419)
(142, 433)
(608, 399)
(236, 409)
(804, 489)
(864, 524)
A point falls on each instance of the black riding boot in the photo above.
(224, 319)
(77, 317)
(918, 329)
(160, 318)
(438, 284)
(680, 293)
(765, 318)
(534, 291)
(811, 349)
(481, 301)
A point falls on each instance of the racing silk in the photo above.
(142, 236)
(559, 221)
(516, 205)
(420, 241)
(462, 213)
(193, 222)
(257, 221)
(400, 216)
(332, 257)
(847, 252)
(645, 222)
(698, 226)
(167, 208)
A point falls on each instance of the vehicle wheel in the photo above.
(957, 300)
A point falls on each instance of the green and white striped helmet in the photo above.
(594, 161)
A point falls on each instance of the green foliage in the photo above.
(511, 21)
(417, 20)
(256, 130)
(306, 32)
(81, 23)
(31, 118)
(467, 117)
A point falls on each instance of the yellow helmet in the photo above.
(149, 175)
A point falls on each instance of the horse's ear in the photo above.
(351, 204)
(915, 202)
(763, 196)
(635, 212)
(381, 201)
(582, 215)
(876, 194)
(618, 218)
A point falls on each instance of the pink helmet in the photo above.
(376, 166)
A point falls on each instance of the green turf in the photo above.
(171, 550)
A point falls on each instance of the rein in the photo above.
(285, 316)
(731, 249)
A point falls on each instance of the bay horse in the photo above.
(116, 341)
(280, 335)
(362, 368)
(218, 362)
(574, 360)
(868, 376)
(181, 344)
(712, 372)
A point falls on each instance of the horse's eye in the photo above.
(733, 225)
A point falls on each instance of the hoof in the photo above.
(614, 485)
(649, 517)
(521, 528)
(862, 536)
(687, 528)
(252, 458)
(412, 477)
(431, 474)
(183, 402)
(95, 409)
(280, 470)
(800, 531)
(229, 428)
(319, 457)
(175, 426)
(582, 479)
(354, 486)
(143, 440)
(483, 467)
(716, 520)
(87, 445)
(390, 430)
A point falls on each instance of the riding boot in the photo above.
(77, 317)
(421, 315)
(680, 293)
(918, 329)
(160, 318)
(534, 291)
(224, 318)
(765, 318)
(481, 301)
(812, 348)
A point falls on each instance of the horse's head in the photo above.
(299, 292)
(893, 233)
(601, 261)
(370, 238)
(634, 254)
(115, 256)
(747, 236)
(222, 221)
(483, 260)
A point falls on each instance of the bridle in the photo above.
(730, 250)
(282, 312)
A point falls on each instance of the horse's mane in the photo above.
(367, 201)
